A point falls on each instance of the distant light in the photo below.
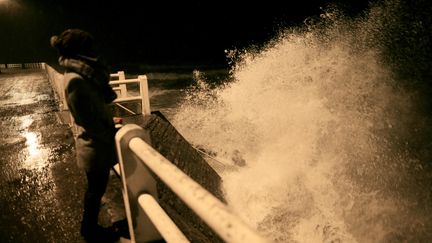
(6, 3)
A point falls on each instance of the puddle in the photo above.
(38, 156)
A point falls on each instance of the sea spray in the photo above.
(323, 127)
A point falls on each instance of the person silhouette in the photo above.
(88, 95)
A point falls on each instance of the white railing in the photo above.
(34, 65)
(121, 89)
(137, 158)
(14, 65)
(163, 223)
(120, 86)
(31, 65)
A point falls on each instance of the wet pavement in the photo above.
(41, 188)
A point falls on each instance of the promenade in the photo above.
(41, 188)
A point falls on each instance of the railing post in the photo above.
(123, 90)
(136, 179)
(61, 86)
(145, 99)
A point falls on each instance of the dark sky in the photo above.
(154, 32)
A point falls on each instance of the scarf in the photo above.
(93, 71)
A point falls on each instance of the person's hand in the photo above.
(118, 123)
(118, 120)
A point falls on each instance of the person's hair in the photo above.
(74, 42)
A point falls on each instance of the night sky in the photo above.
(150, 32)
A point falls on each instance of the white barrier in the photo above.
(163, 223)
(131, 146)
(35, 65)
(31, 65)
(14, 66)
(122, 90)
(123, 97)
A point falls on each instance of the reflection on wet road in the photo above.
(40, 186)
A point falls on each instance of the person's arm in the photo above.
(78, 96)
(88, 109)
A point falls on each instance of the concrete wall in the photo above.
(56, 80)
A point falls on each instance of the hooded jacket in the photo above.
(88, 95)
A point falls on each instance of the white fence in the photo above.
(120, 86)
(32, 65)
(138, 160)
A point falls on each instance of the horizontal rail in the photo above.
(121, 90)
(30, 65)
(119, 74)
(212, 211)
(126, 81)
(128, 99)
(162, 222)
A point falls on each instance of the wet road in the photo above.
(41, 188)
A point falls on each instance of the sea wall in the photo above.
(173, 146)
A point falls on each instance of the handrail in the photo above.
(161, 220)
(122, 87)
(212, 211)
(125, 81)
(27, 65)
(143, 84)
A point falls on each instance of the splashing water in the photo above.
(322, 126)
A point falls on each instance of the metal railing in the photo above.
(120, 87)
(31, 65)
(134, 152)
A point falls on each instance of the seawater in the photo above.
(327, 130)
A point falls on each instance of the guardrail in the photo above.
(139, 161)
(32, 65)
(120, 87)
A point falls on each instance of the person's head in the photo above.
(74, 43)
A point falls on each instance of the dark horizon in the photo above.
(155, 33)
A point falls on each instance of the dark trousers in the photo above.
(96, 185)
